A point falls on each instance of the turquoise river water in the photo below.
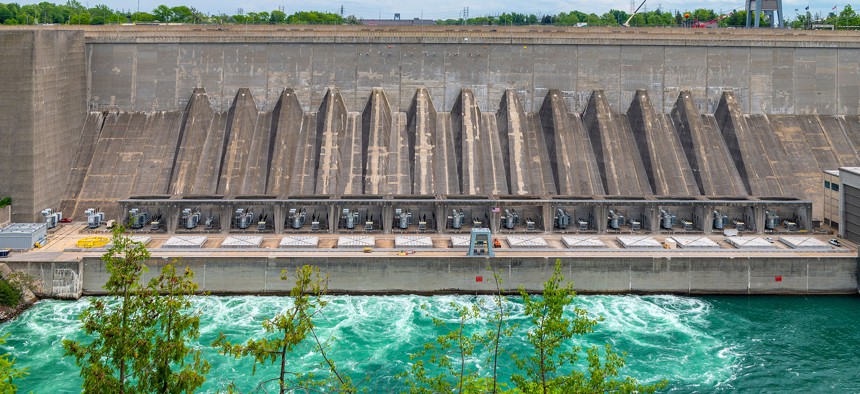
(722, 344)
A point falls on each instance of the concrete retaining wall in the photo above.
(46, 272)
(751, 275)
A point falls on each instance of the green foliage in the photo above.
(9, 295)
(450, 352)
(291, 329)
(5, 201)
(545, 369)
(8, 372)
(140, 334)
(314, 17)
(551, 367)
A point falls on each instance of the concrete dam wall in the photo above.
(427, 150)
(771, 72)
(104, 113)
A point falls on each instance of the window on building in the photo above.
(827, 184)
(834, 187)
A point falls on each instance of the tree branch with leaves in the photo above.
(140, 332)
(292, 327)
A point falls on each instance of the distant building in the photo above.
(397, 22)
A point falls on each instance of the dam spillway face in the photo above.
(426, 150)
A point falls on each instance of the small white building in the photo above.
(23, 236)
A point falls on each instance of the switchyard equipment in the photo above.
(297, 218)
(790, 225)
(687, 225)
(137, 218)
(582, 224)
(422, 224)
(616, 220)
(477, 223)
(190, 218)
(52, 218)
(262, 221)
(530, 225)
(635, 225)
(562, 219)
(456, 219)
(209, 224)
(720, 220)
(243, 218)
(156, 223)
(771, 220)
(403, 218)
(368, 224)
(667, 219)
(348, 218)
(315, 224)
(510, 219)
(94, 219)
(739, 225)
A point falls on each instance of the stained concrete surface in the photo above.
(247, 152)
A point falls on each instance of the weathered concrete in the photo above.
(748, 152)
(705, 275)
(377, 152)
(706, 151)
(669, 172)
(777, 72)
(286, 111)
(42, 112)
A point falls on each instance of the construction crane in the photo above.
(627, 24)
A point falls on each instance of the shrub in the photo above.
(9, 295)
(5, 201)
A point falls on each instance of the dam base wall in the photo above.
(622, 275)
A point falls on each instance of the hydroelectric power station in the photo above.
(298, 143)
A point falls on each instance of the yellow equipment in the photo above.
(92, 242)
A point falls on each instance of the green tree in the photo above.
(291, 329)
(736, 19)
(9, 295)
(551, 332)
(277, 16)
(5, 15)
(140, 333)
(162, 13)
(142, 17)
(847, 17)
(449, 353)
(181, 14)
(8, 372)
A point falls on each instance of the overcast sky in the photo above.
(447, 9)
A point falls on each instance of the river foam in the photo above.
(699, 345)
